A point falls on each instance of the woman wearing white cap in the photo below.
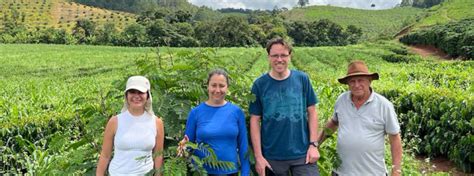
(135, 135)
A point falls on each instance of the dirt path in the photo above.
(423, 50)
(427, 50)
(439, 164)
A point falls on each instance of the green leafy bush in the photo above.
(455, 38)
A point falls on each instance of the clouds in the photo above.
(270, 4)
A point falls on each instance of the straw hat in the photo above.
(357, 68)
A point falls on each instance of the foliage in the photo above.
(133, 35)
(170, 27)
(136, 6)
(84, 30)
(322, 33)
(421, 3)
(373, 23)
(166, 28)
(40, 127)
(455, 38)
(302, 3)
(48, 129)
(399, 58)
(447, 11)
(60, 14)
(433, 100)
(433, 122)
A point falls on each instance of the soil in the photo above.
(428, 50)
(423, 50)
(439, 164)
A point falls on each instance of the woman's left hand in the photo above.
(182, 146)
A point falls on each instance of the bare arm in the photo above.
(313, 153)
(158, 150)
(396, 149)
(107, 146)
(330, 125)
(312, 123)
(255, 135)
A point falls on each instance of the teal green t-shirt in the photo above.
(282, 105)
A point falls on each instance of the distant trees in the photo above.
(323, 33)
(133, 35)
(137, 6)
(303, 3)
(233, 31)
(106, 34)
(234, 10)
(84, 31)
(179, 28)
(421, 3)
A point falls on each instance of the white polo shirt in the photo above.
(360, 137)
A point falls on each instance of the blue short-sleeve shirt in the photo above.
(282, 105)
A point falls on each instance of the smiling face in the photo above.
(217, 88)
(136, 99)
(359, 86)
(279, 56)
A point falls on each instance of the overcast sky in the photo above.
(269, 4)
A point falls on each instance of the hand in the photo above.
(182, 146)
(261, 164)
(396, 171)
(312, 155)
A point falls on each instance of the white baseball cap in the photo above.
(139, 83)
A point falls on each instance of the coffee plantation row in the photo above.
(56, 99)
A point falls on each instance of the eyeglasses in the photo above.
(276, 56)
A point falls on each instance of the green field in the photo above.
(451, 10)
(52, 91)
(374, 23)
(62, 14)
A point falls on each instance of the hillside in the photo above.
(374, 23)
(447, 27)
(39, 14)
(452, 10)
(138, 6)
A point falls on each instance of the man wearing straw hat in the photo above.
(362, 118)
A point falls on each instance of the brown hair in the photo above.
(218, 72)
(280, 41)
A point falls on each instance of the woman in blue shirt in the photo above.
(221, 125)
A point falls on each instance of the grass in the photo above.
(43, 82)
(450, 10)
(374, 23)
(54, 75)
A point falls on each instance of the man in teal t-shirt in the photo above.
(284, 122)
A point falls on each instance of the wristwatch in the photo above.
(314, 143)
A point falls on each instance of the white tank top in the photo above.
(134, 138)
